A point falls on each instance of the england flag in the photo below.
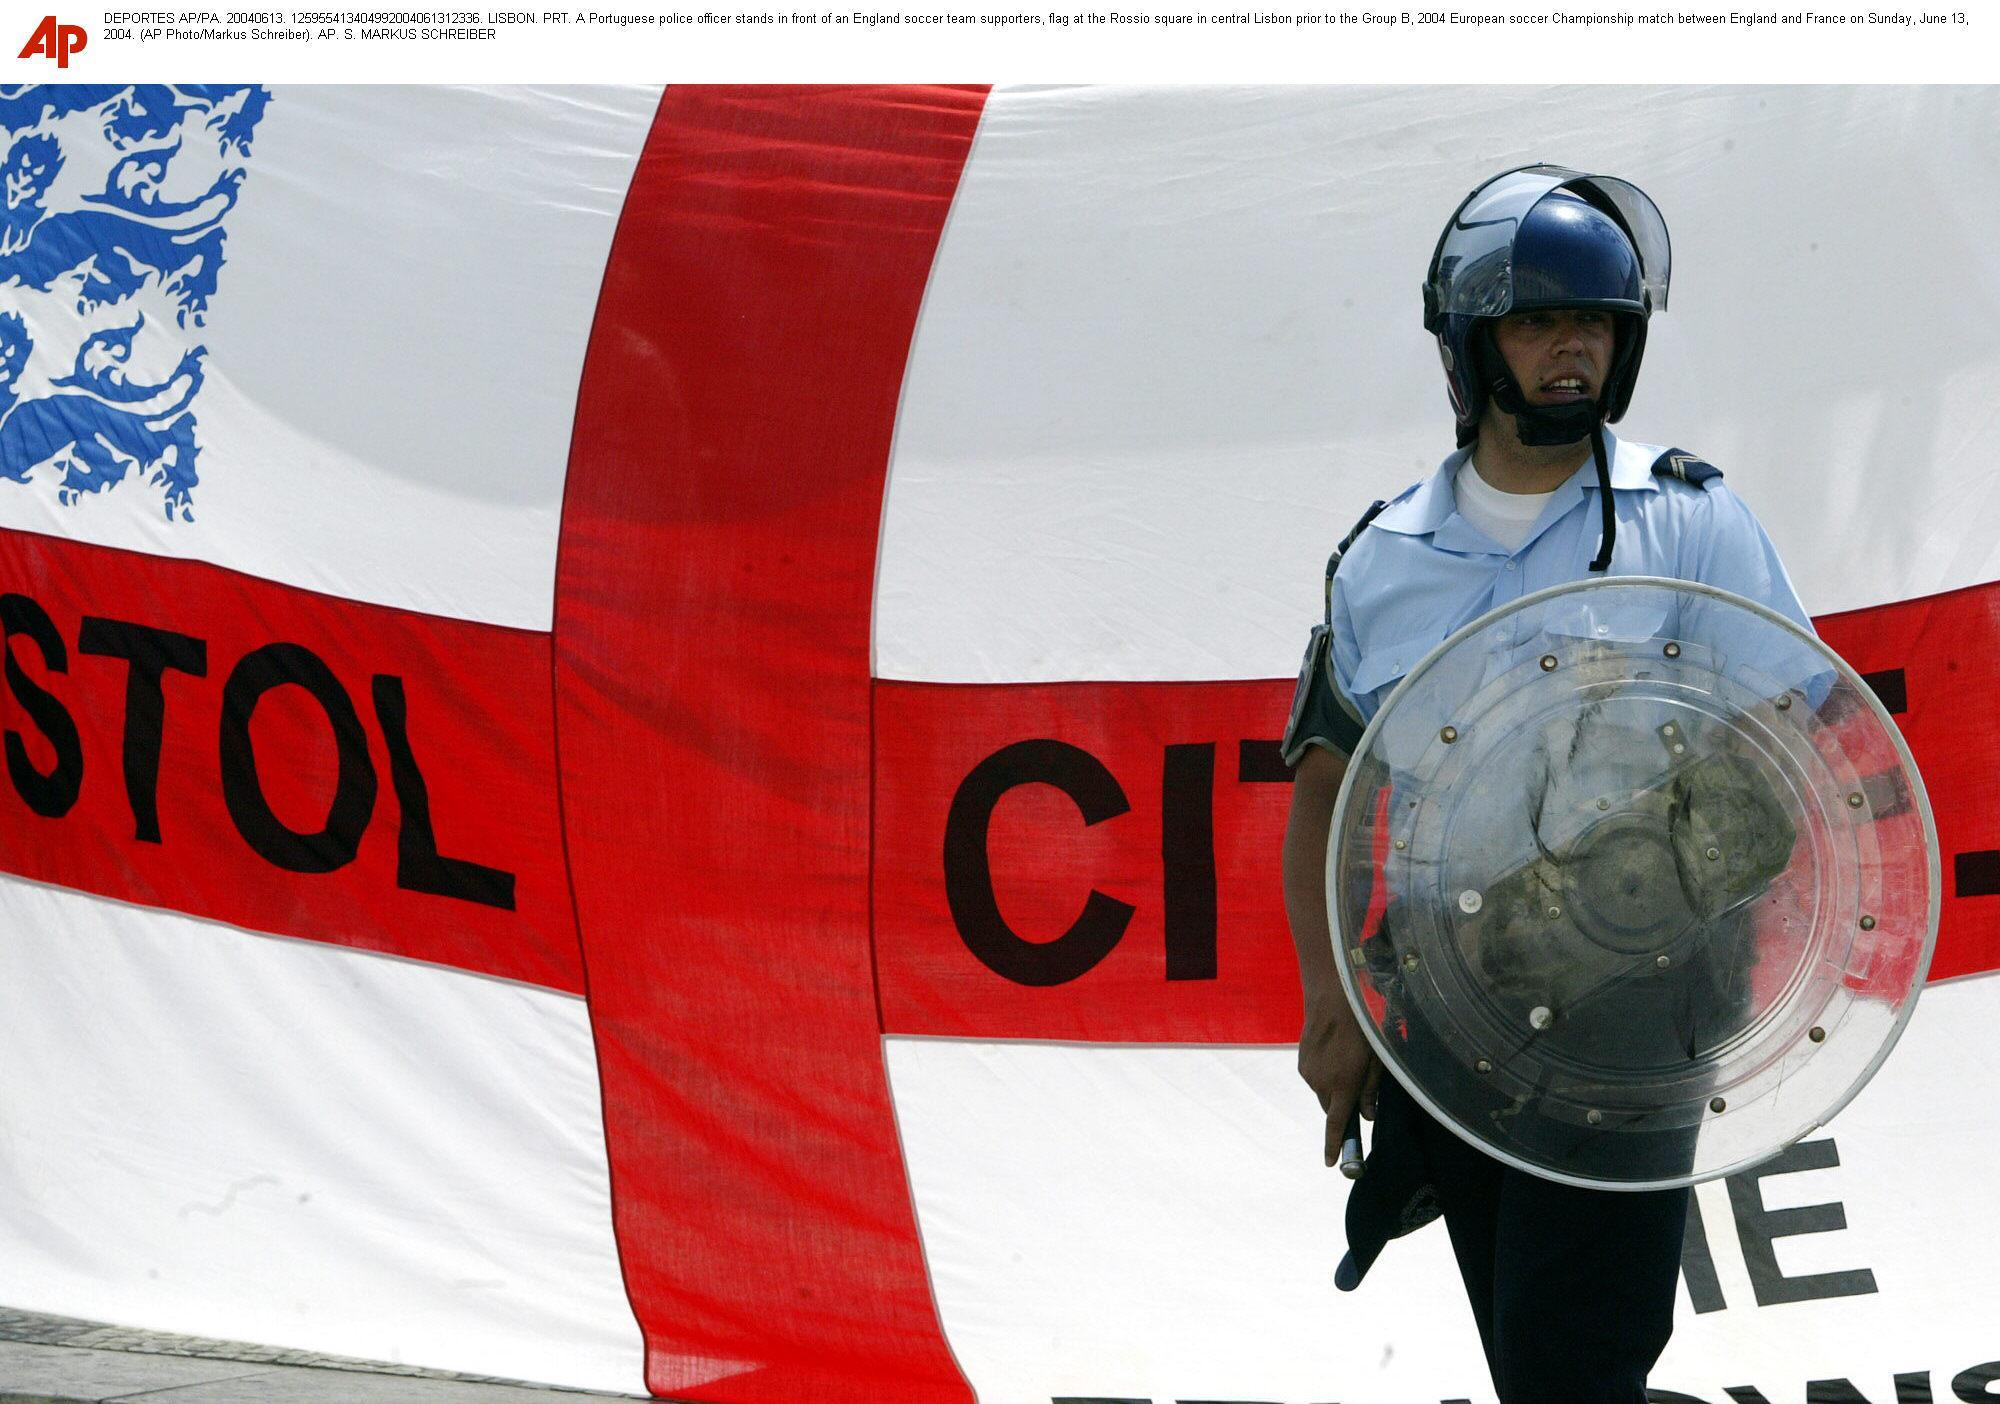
(642, 726)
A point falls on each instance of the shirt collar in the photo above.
(1428, 505)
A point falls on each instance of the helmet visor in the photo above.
(1473, 274)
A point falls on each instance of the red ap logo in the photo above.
(56, 41)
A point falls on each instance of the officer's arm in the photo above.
(1315, 786)
(1726, 546)
(1334, 1057)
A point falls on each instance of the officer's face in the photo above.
(1557, 357)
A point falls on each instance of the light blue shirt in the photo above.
(1422, 571)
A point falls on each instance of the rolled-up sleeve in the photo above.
(1346, 652)
(1321, 713)
(1728, 548)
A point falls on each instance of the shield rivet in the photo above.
(1854, 801)
(1716, 1104)
(1714, 852)
(1548, 662)
(1410, 962)
(1482, 1066)
(1868, 923)
(1593, 1116)
(1672, 650)
(1541, 1016)
(1667, 730)
(1816, 1034)
(1448, 735)
(1663, 961)
(1402, 844)
(1555, 912)
(1679, 748)
(1470, 901)
(1785, 703)
(1604, 804)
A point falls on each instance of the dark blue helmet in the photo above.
(1544, 237)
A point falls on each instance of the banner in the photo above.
(642, 725)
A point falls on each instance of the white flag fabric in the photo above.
(642, 724)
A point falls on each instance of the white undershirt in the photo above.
(1507, 517)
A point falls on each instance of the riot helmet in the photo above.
(1544, 237)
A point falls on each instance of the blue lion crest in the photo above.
(111, 242)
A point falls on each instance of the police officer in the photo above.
(1539, 293)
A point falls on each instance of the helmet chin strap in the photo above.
(1609, 509)
(1549, 425)
(1544, 426)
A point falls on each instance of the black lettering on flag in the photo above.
(1977, 873)
(419, 865)
(334, 846)
(968, 869)
(1187, 856)
(1698, 1264)
(1970, 1385)
(1758, 1228)
(1891, 688)
(1910, 1389)
(1262, 762)
(52, 793)
(148, 653)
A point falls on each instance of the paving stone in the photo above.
(47, 1330)
(286, 1384)
(62, 1360)
(41, 1374)
(67, 1361)
(42, 1329)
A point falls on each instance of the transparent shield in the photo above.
(1633, 883)
(1475, 276)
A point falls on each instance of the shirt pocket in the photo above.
(1381, 667)
(1607, 620)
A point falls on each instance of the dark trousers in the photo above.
(1573, 1289)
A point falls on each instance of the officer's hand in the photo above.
(1340, 1067)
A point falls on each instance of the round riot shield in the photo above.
(1632, 883)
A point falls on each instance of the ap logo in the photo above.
(55, 40)
(109, 250)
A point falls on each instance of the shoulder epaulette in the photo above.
(1690, 469)
(1333, 561)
